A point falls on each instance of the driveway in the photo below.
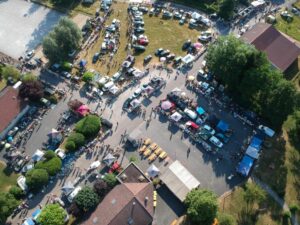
(23, 25)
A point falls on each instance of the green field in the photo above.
(166, 34)
(6, 179)
(290, 28)
(206, 6)
(2, 84)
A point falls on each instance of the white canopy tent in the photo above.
(67, 188)
(95, 165)
(179, 180)
(176, 116)
(109, 159)
(188, 59)
(153, 171)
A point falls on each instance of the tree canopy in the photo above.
(88, 76)
(86, 199)
(36, 178)
(226, 219)
(32, 89)
(89, 126)
(52, 166)
(202, 206)
(7, 205)
(10, 71)
(52, 214)
(110, 179)
(101, 188)
(77, 138)
(250, 79)
(226, 8)
(253, 194)
(63, 39)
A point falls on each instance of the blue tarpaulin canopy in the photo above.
(245, 166)
(200, 110)
(36, 213)
(28, 222)
(256, 142)
(82, 63)
(252, 152)
(222, 126)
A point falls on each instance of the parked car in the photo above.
(167, 15)
(165, 53)
(96, 57)
(177, 60)
(27, 167)
(137, 93)
(106, 123)
(191, 114)
(158, 52)
(203, 85)
(216, 142)
(209, 129)
(60, 153)
(29, 55)
(170, 57)
(139, 30)
(73, 194)
(116, 76)
(186, 45)
(66, 74)
(139, 23)
(13, 131)
(139, 48)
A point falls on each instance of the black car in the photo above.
(170, 57)
(139, 48)
(106, 123)
(158, 51)
(96, 57)
(186, 45)
(139, 30)
(165, 53)
(147, 59)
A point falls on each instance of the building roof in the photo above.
(127, 202)
(179, 180)
(281, 51)
(132, 174)
(10, 106)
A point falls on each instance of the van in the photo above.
(108, 85)
(116, 76)
(73, 194)
(190, 113)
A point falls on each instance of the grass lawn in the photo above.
(292, 29)
(234, 204)
(6, 180)
(167, 34)
(2, 84)
(206, 6)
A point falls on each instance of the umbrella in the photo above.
(109, 159)
(135, 103)
(183, 94)
(10, 139)
(176, 91)
(68, 188)
(166, 105)
(7, 145)
(36, 213)
(153, 171)
(95, 164)
(176, 116)
(198, 45)
(191, 78)
(162, 59)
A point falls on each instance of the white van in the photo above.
(21, 181)
(73, 194)
(190, 113)
(108, 86)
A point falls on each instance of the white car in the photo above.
(137, 93)
(108, 86)
(29, 54)
(190, 113)
(203, 85)
(73, 194)
(104, 80)
(21, 181)
(66, 75)
(116, 76)
(216, 142)
(60, 153)
(209, 129)
(27, 167)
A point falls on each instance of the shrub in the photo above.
(294, 208)
(88, 76)
(10, 71)
(32, 90)
(70, 146)
(53, 99)
(52, 166)
(287, 214)
(49, 155)
(89, 126)
(36, 178)
(52, 214)
(7, 205)
(226, 219)
(17, 192)
(29, 77)
(77, 138)
(66, 66)
(110, 179)
(133, 159)
(101, 188)
(86, 199)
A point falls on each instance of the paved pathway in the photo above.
(274, 195)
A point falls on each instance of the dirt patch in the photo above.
(80, 19)
(7, 59)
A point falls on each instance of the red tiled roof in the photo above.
(10, 106)
(281, 51)
(125, 202)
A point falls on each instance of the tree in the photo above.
(77, 138)
(16, 191)
(74, 104)
(86, 199)
(101, 188)
(10, 71)
(36, 178)
(88, 76)
(52, 214)
(70, 146)
(202, 206)
(49, 154)
(52, 166)
(32, 89)
(89, 126)
(29, 77)
(226, 219)
(63, 39)
(7, 205)
(226, 9)
(110, 179)
(253, 193)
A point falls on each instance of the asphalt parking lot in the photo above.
(23, 25)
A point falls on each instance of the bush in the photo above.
(287, 214)
(53, 99)
(32, 90)
(7, 205)
(86, 199)
(66, 66)
(88, 76)
(133, 159)
(29, 77)
(101, 188)
(10, 71)
(294, 208)
(110, 179)
(52, 214)
(89, 126)
(52, 166)
(70, 146)
(226, 219)
(49, 155)
(36, 178)
(77, 138)
(17, 192)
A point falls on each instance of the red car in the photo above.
(143, 41)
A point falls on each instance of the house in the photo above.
(282, 51)
(12, 109)
(130, 202)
